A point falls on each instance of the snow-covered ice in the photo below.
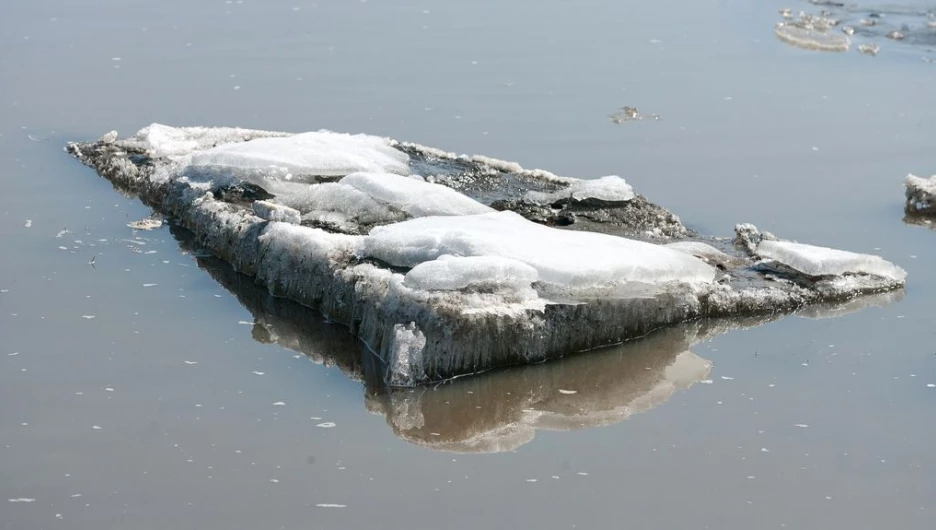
(574, 263)
(308, 155)
(611, 188)
(430, 274)
(818, 261)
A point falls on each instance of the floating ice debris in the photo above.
(13, 354)
(582, 473)
(325, 505)
(801, 425)
(326, 424)
(567, 392)
(896, 35)
(413, 262)
(930, 385)
(726, 378)
(28, 223)
(190, 362)
(811, 38)
(531, 480)
(630, 114)
(764, 450)
(150, 223)
(274, 480)
(96, 427)
(62, 232)
(150, 284)
(88, 317)
(921, 195)
(22, 499)
(258, 373)
(279, 404)
(108, 389)
(869, 49)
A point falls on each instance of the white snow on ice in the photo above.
(611, 188)
(579, 263)
(309, 154)
(822, 261)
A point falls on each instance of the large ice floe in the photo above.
(447, 265)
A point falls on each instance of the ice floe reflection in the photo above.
(502, 410)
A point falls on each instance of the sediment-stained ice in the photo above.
(437, 275)
(921, 195)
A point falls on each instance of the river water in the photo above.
(145, 385)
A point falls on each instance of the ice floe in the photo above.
(447, 265)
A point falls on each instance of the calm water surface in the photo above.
(158, 389)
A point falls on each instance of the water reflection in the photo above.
(503, 409)
(919, 220)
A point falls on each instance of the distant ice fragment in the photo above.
(568, 392)
(326, 424)
(22, 499)
(869, 49)
(325, 505)
(149, 223)
(28, 223)
(811, 39)
(921, 195)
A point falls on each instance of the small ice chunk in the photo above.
(568, 392)
(822, 261)
(28, 223)
(190, 362)
(326, 424)
(812, 39)
(22, 499)
(275, 212)
(611, 188)
(482, 273)
(279, 404)
(921, 194)
(309, 154)
(328, 505)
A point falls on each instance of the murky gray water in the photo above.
(157, 389)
